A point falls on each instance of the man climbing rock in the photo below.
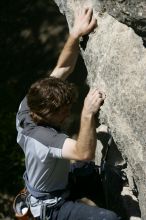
(47, 149)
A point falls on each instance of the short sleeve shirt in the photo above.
(42, 146)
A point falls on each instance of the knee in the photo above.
(111, 216)
(107, 215)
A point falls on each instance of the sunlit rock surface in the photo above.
(131, 13)
(115, 58)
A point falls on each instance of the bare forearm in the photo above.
(67, 58)
(84, 23)
(86, 142)
(84, 147)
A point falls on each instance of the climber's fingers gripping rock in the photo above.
(93, 101)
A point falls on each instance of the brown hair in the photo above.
(46, 97)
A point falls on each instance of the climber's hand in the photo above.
(84, 22)
(93, 101)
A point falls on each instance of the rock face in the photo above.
(131, 13)
(115, 58)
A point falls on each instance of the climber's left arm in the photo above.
(84, 23)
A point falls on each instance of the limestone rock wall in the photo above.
(115, 58)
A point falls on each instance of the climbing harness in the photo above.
(21, 206)
(22, 202)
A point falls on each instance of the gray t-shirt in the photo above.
(42, 146)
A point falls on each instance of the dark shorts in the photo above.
(78, 211)
(84, 182)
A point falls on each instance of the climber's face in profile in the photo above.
(62, 114)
